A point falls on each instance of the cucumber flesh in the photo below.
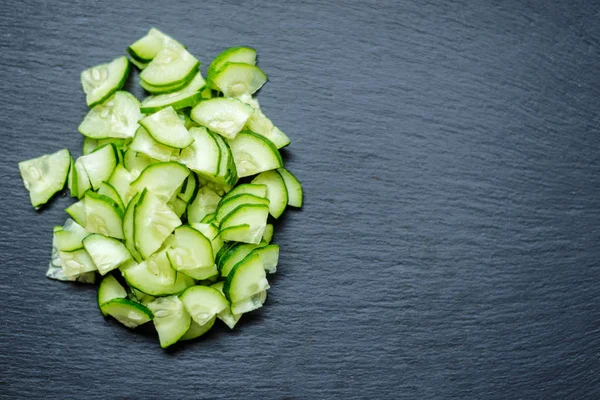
(198, 330)
(276, 191)
(188, 96)
(45, 175)
(77, 212)
(154, 221)
(145, 144)
(251, 303)
(247, 188)
(76, 262)
(102, 215)
(205, 203)
(156, 277)
(224, 116)
(233, 256)
(237, 79)
(99, 165)
(190, 252)
(101, 81)
(127, 312)
(226, 315)
(259, 123)
(245, 55)
(171, 319)
(203, 303)
(145, 49)
(110, 289)
(254, 154)
(166, 128)
(254, 215)
(117, 118)
(270, 257)
(162, 179)
(70, 236)
(203, 155)
(268, 234)
(231, 203)
(107, 253)
(293, 186)
(172, 65)
(246, 279)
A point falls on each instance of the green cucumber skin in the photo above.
(115, 89)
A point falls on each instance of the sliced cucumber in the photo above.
(270, 257)
(212, 233)
(237, 79)
(251, 303)
(159, 90)
(89, 145)
(100, 164)
(153, 223)
(83, 181)
(245, 55)
(120, 181)
(106, 189)
(69, 237)
(189, 188)
(127, 312)
(233, 256)
(116, 118)
(231, 203)
(172, 65)
(203, 303)
(102, 215)
(138, 64)
(268, 234)
(145, 49)
(45, 175)
(101, 81)
(72, 179)
(254, 215)
(246, 279)
(76, 262)
(190, 252)
(260, 124)
(178, 206)
(77, 212)
(254, 154)
(140, 297)
(224, 116)
(145, 144)
(166, 128)
(136, 162)
(203, 155)
(156, 277)
(188, 96)
(205, 203)
(294, 189)
(128, 229)
(227, 172)
(162, 179)
(226, 315)
(107, 253)
(247, 188)
(198, 330)
(108, 290)
(171, 320)
(276, 191)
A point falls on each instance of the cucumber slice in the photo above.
(102, 215)
(178, 206)
(260, 124)
(294, 189)
(268, 234)
(107, 253)
(44, 176)
(166, 128)
(159, 90)
(108, 290)
(254, 215)
(116, 118)
(247, 188)
(252, 303)
(89, 145)
(270, 257)
(72, 179)
(245, 55)
(76, 262)
(83, 181)
(162, 179)
(101, 81)
(156, 277)
(189, 188)
(231, 203)
(136, 162)
(224, 116)
(140, 297)
(69, 237)
(185, 118)
(226, 315)
(172, 65)
(171, 320)
(212, 233)
(190, 252)
(191, 94)
(106, 189)
(128, 231)
(120, 181)
(145, 144)
(254, 154)
(127, 312)
(227, 172)
(245, 280)
(153, 223)
(276, 191)
(138, 64)
(203, 155)
(77, 212)
(198, 330)
(203, 303)
(205, 203)
(208, 218)
(233, 256)
(237, 79)
(99, 165)
(145, 49)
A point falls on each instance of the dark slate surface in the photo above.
(449, 244)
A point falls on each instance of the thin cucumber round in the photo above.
(233, 256)
(246, 279)
(162, 179)
(231, 203)
(251, 303)
(117, 118)
(45, 175)
(171, 319)
(145, 144)
(254, 215)
(224, 116)
(190, 252)
(268, 234)
(166, 128)
(203, 303)
(99, 164)
(172, 65)
(226, 315)
(70, 236)
(203, 155)
(76, 262)
(247, 188)
(269, 255)
(127, 312)
(237, 79)
(156, 277)
(240, 54)
(254, 154)
(189, 188)
(109, 289)
(196, 330)
(145, 49)
(260, 124)
(77, 212)
(128, 229)
(107, 253)
(101, 81)
(276, 191)
(205, 203)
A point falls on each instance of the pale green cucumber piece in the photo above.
(191, 94)
(140, 297)
(203, 155)
(276, 191)
(189, 188)
(127, 312)
(247, 188)
(268, 234)
(72, 179)
(83, 181)
(171, 320)
(251, 303)
(69, 237)
(117, 118)
(173, 64)
(156, 277)
(102, 215)
(137, 162)
(203, 303)
(46, 175)
(246, 279)
(190, 252)
(120, 180)
(158, 90)
(99, 164)
(226, 315)
(254, 215)
(166, 128)
(108, 290)
(145, 49)
(185, 118)
(76, 262)
(138, 64)
(233, 256)
(107, 253)
(101, 81)
(198, 330)
(153, 223)
(254, 154)
(260, 124)
(231, 203)
(89, 145)
(227, 176)
(208, 218)
(293, 186)
(269, 255)
(239, 233)
(245, 55)
(106, 189)
(224, 116)
(205, 203)
(145, 144)
(162, 179)
(128, 230)
(236, 79)
(77, 212)
(212, 233)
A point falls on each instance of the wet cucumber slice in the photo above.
(107, 253)
(145, 49)
(166, 128)
(203, 303)
(45, 175)
(237, 79)
(171, 66)
(254, 154)
(127, 312)
(224, 116)
(171, 319)
(101, 81)
(117, 118)
(246, 55)
(188, 96)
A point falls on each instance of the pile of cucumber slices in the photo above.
(174, 194)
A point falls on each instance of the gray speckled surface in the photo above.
(448, 246)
